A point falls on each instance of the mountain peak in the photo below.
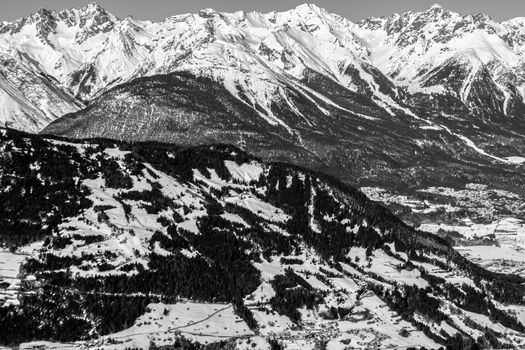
(92, 9)
(309, 7)
(207, 12)
(93, 6)
(437, 10)
(42, 14)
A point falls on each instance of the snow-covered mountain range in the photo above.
(409, 60)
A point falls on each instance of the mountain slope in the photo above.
(89, 50)
(183, 109)
(144, 240)
(332, 135)
(464, 71)
(400, 105)
(255, 56)
(297, 69)
(28, 100)
(412, 48)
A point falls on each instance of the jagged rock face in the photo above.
(36, 52)
(28, 100)
(470, 58)
(89, 51)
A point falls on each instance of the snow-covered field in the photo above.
(10, 277)
(387, 267)
(204, 323)
(506, 230)
(497, 259)
(256, 206)
(369, 325)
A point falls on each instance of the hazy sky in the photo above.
(351, 9)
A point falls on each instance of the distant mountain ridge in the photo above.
(398, 61)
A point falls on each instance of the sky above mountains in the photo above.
(351, 9)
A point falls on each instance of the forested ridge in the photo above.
(45, 188)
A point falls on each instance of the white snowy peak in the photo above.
(88, 50)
